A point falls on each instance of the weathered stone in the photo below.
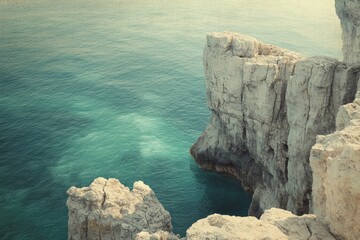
(335, 163)
(159, 235)
(305, 227)
(349, 14)
(109, 210)
(268, 105)
(222, 227)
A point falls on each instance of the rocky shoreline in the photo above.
(285, 125)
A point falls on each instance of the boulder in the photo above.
(109, 210)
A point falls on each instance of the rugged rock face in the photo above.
(349, 14)
(268, 105)
(274, 224)
(335, 161)
(236, 228)
(109, 210)
(306, 227)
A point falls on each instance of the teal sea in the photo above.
(116, 89)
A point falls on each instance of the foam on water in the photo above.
(117, 89)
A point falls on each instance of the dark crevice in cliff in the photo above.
(309, 230)
(86, 227)
(104, 196)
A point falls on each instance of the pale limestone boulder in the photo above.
(159, 235)
(335, 163)
(109, 210)
(268, 105)
(222, 227)
(305, 227)
(349, 14)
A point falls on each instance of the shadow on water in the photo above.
(221, 194)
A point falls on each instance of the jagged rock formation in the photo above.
(268, 105)
(349, 14)
(109, 210)
(335, 162)
(274, 224)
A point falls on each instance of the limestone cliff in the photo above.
(109, 210)
(349, 14)
(268, 105)
(335, 162)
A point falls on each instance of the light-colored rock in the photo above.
(335, 163)
(109, 210)
(305, 227)
(159, 235)
(268, 105)
(349, 14)
(273, 224)
(222, 227)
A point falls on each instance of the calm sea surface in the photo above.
(116, 89)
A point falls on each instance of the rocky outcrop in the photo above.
(335, 162)
(109, 210)
(274, 224)
(305, 227)
(230, 227)
(349, 14)
(268, 105)
(159, 235)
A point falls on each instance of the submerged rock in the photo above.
(109, 210)
(268, 105)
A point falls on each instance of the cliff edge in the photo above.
(286, 126)
(268, 105)
(335, 162)
(349, 14)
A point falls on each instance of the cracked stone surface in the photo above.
(273, 224)
(223, 227)
(268, 105)
(335, 162)
(305, 227)
(349, 14)
(109, 210)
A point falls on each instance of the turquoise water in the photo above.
(116, 89)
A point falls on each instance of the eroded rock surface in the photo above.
(335, 162)
(273, 224)
(159, 235)
(221, 227)
(109, 210)
(349, 14)
(305, 227)
(268, 105)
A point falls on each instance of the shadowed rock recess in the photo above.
(268, 105)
